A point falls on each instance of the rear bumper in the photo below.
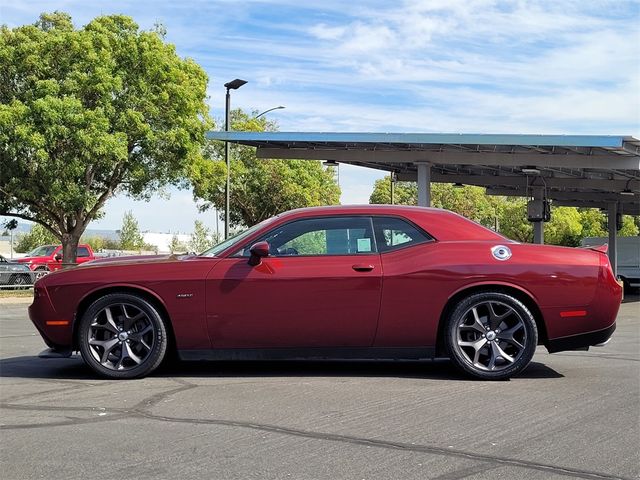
(582, 341)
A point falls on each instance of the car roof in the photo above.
(439, 223)
(364, 207)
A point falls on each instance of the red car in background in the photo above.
(357, 282)
(48, 258)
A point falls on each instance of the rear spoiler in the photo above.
(604, 248)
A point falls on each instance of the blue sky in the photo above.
(473, 66)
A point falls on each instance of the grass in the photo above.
(4, 293)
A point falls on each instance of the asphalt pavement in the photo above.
(569, 415)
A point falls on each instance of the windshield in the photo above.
(229, 242)
(43, 251)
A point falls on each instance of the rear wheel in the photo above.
(41, 272)
(491, 336)
(122, 336)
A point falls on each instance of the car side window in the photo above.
(321, 236)
(393, 233)
(83, 252)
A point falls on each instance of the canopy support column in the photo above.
(612, 215)
(424, 184)
(538, 227)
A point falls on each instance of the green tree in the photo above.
(201, 238)
(86, 113)
(593, 222)
(629, 227)
(568, 225)
(469, 201)
(513, 220)
(260, 188)
(404, 193)
(36, 237)
(129, 234)
(565, 227)
(96, 243)
(176, 246)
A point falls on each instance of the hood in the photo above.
(30, 259)
(131, 260)
(14, 267)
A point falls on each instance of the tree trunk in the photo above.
(69, 249)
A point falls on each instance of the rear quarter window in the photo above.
(393, 233)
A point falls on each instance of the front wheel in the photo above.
(20, 280)
(491, 335)
(122, 336)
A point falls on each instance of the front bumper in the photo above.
(40, 311)
(581, 341)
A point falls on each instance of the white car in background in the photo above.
(627, 256)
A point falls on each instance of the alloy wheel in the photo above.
(491, 336)
(121, 336)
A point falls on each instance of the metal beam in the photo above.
(456, 157)
(625, 208)
(423, 139)
(521, 181)
(557, 195)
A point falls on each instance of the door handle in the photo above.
(362, 268)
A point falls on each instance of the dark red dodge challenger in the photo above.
(351, 282)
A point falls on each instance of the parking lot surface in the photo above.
(569, 415)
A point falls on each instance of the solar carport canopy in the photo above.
(575, 170)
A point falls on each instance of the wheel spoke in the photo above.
(137, 336)
(501, 353)
(494, 319)
(129, 353)
(477, 323)
(107, 346)
(508, 335)
(129, 321)
(477, 346)
(111, 324)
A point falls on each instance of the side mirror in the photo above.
(258, 251)
(58, 257)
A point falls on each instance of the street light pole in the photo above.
(270, 110)
(232, 85)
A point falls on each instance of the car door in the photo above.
(53, 264)
(83, 255)
(320, 286)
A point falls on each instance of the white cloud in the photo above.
(526, 66)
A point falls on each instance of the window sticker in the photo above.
(364, 245)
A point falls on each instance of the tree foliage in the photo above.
(201, 238)
(89, 112)
(468, 201)
(37, 236)
(260, 188)
(176, 246)
(98, 243)
(568, 225)
(129, 234)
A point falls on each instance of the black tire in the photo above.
(491, 327)
(122, 352)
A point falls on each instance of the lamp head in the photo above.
(235, 84)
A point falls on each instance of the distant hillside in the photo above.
(90, 232)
